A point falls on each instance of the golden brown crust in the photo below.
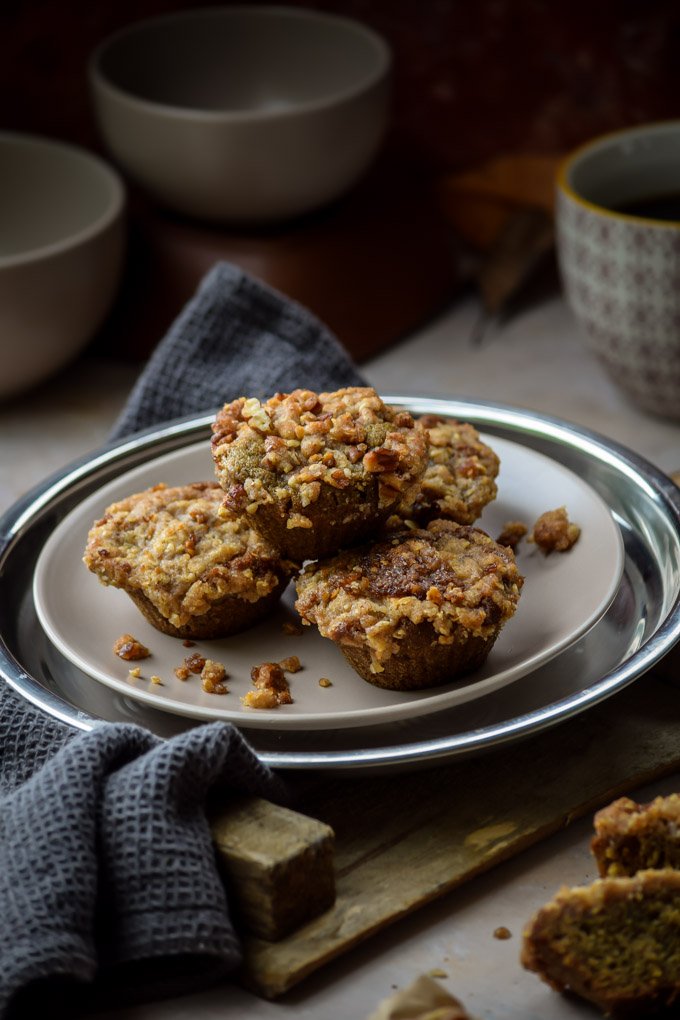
(615, 942)
(194, 570)
(417, 609)
(630, 837)
(316, 471)
(459, 480)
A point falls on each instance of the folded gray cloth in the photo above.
(108, 879)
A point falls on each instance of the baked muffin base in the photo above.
(229, 616)
(336, 521)
(423, 661)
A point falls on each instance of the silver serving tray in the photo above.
(639, 628)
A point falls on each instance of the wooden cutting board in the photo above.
(401, 841)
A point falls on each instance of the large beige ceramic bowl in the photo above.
(61, 252)
(243, 114)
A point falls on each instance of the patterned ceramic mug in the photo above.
(618, 243)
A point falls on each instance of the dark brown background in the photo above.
(473, 79)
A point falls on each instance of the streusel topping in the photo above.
(177, 547)
(447, 575)
(287, 448)
(459, 479)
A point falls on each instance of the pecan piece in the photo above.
(381, 459)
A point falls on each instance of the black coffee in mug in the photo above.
(665, 206)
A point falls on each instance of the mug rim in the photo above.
(563, 185)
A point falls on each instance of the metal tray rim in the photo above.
(19, 519)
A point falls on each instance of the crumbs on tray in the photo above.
(271, 687)
(213, 676)
(554, 532)
(193, 663)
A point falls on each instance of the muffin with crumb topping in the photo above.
(418, 609)
(615, 942)
(193, 569)
(630, 837)
(316, 472)
(460, 477)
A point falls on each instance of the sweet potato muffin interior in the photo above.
(615, 942)
(191, 567)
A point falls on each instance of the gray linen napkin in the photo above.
(108, 878)
(237, 337)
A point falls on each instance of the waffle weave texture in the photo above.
(237, 337)
(109, 886)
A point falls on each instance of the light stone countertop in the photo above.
(536, 361)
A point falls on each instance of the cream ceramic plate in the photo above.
(563, 596)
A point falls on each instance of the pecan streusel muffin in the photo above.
(421, 608)
(316, 471)
(460, 477)
(194, 570)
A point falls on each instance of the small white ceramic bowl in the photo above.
(62, 240)
(243, 114)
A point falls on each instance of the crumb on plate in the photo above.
(291, 664)
(213, 676)
(554, 532)
(271, 687)
(129, 648)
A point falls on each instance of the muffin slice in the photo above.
(460, 477)
(630, 837)
(193, 569)
(317, 471)
(615, 942)
(418, 609)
